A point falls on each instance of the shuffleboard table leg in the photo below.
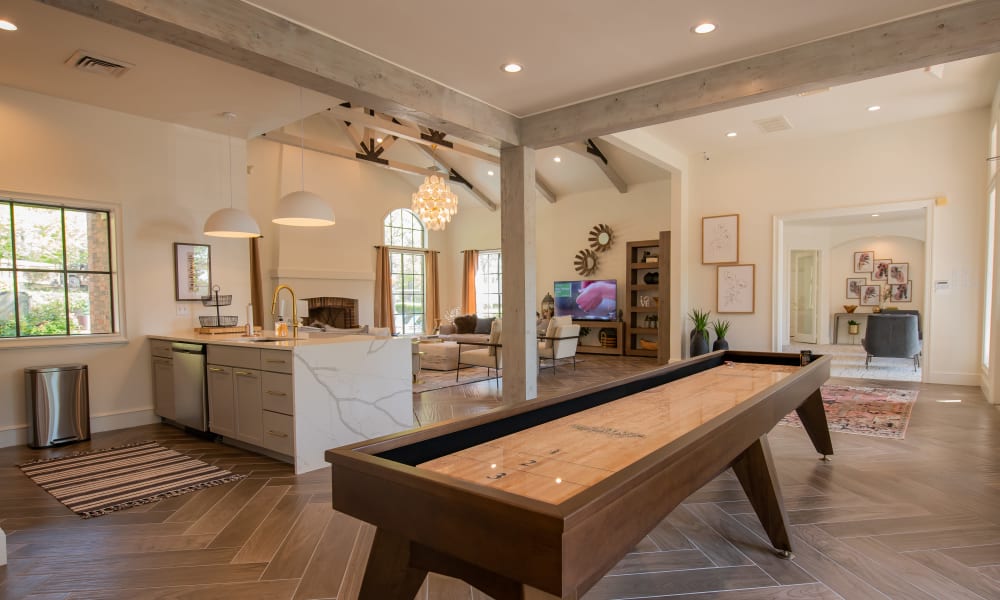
(388, 575)
(813, 418)
(755, 470)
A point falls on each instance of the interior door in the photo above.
(804, 316)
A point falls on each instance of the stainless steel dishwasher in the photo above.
(190, 399)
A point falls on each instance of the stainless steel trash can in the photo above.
(58, 405)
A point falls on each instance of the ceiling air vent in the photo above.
(102, 65)
(773, 124)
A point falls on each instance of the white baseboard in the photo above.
(17, 435)
(953, 378)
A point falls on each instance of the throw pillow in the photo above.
(494, 336)
(465, 323)
(484, 325)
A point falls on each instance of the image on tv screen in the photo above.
(587, 299)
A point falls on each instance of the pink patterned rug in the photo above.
(875, 411)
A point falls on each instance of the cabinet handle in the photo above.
(216, 369)
(274, 393)
(278, 361)
(245, 374)
(277, 433)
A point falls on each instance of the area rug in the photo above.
(103, 481)
(435, 380)
(874, 411)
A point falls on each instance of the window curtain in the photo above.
(383, 290)
(470, 265)
(432, 308)
(256, 283)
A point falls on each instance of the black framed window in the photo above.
(405, 230)
(56, 267)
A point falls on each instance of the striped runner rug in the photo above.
(104, 481)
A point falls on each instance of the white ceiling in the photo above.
(571, 49)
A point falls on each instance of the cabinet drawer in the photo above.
(160, 348)
(277, 392)
(248, 358)
(276, 360)
(278, 434)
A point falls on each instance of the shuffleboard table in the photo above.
(540, 500)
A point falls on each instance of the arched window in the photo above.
(404, 230)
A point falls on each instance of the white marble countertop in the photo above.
(267, 341)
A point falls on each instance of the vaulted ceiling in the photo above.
(571, 51)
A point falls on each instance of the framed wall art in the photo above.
(870, 295)
(192, 271)
(899, 273)
(854, 287)
(735, 293)
(864, 261)
(901, 292)
(880, 272)
(720, 239)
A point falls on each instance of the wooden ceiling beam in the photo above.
(324, 147)
(589, 149)
(241, 34)
(953, 33)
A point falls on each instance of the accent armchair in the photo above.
(893, 336)
(562, 344)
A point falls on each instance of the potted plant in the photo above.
(721, 328)
(699, 335)
(852, 327)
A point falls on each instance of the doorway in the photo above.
(804, 300)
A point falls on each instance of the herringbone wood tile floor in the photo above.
(917, 518)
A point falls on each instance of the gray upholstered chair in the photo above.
(895, 336)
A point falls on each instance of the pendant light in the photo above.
(303, 208)
(231, 222)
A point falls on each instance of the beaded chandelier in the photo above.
(435, 203)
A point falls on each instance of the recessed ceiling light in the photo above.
(512, 68)
(704, 28)
(556, 159)
(7, 25)
(874, 107)
(490, 173)
(876, 215)
(731, 134)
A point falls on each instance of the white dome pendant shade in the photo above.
(231, 222)
(304, 209)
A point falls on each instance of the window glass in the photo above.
(55, 271)
(403, 229)
(489, 302)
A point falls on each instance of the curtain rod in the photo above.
(482, 250)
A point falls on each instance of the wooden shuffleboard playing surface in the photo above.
(554, 461)
(573, 482)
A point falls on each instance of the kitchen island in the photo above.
(295, 398)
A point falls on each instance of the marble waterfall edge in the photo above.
(348, 392)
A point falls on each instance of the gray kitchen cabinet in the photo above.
(251, 392)
(221, 400)
(163, 382)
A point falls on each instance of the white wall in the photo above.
(326, 261)
(166, 179)
(941, 156)
(563, 229)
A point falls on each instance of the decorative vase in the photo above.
(720, 344)
(852, 330)
(699, 342)
(651, 278)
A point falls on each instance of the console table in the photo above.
(856, 316)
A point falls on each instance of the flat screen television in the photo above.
(587, 299)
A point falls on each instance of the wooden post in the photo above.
(517, 231)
